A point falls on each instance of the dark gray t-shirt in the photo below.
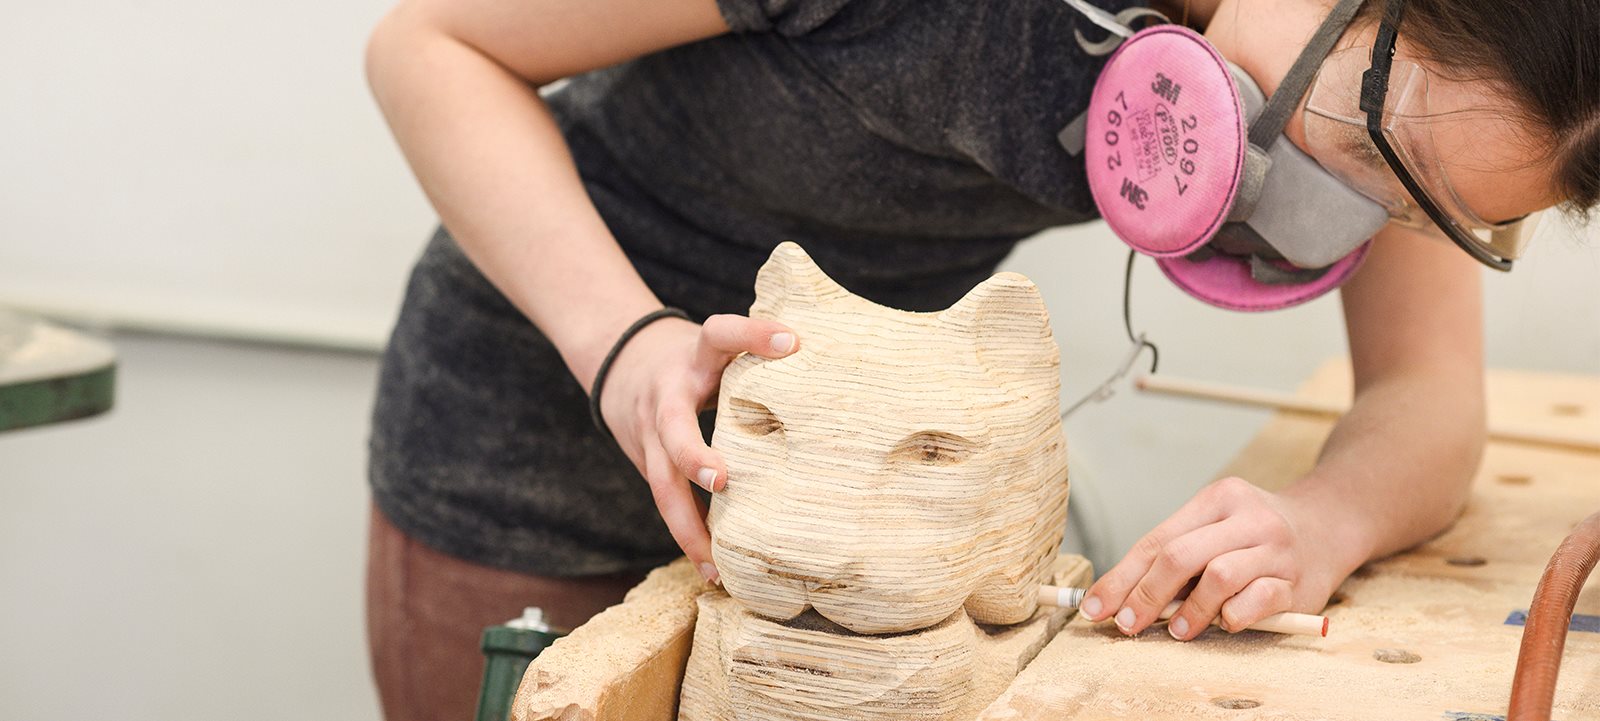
(906, 144)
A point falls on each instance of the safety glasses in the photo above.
(1404, 145)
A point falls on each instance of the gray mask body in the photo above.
(1299, 213)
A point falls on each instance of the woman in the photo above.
(907, 146)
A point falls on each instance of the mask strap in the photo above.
(1268, 126)
(1102, 18)
(1124, 21)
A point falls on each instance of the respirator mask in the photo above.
(1187, 162)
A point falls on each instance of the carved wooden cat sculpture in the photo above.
(899, 466)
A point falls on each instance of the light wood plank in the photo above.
(625, 664)
(1442, 606)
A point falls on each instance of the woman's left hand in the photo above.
(1255, 554)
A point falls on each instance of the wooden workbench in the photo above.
(1428, 634)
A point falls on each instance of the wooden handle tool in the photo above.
(1304, 624)
(1275, 400)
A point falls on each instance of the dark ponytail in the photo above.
(1544, 53)
(1580, 169)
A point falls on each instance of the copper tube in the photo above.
(1533, 688)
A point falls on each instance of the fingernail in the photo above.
(1091, 608)
(710, 572)
(783, 342)
(1125, 619)
(1179, 628)
(706, 477)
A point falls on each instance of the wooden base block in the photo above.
(749, 668)
(808, 668)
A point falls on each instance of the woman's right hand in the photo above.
(651, 399)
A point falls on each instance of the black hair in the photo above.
(1544, 53)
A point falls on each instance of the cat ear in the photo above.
(790, 279)
(1009, 325)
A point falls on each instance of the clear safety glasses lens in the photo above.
(1336, 133)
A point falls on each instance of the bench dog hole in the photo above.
(1395, 655)
(1233, 702)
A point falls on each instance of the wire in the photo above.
(1127, 314)
(1138, 343)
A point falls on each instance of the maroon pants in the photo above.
(426, 612)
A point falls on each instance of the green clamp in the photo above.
(507, 651)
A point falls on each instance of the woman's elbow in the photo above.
(388, 42)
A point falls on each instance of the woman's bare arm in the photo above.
(458, 82)
(1402, 459)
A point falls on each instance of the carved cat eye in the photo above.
(754, 418)
(933, 448)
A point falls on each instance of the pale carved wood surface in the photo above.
(748, 668)
(628, 662)
(904, 474)
(897, 467)
(1422, 635)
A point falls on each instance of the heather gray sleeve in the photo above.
(835, 18)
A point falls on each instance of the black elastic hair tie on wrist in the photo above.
(616, 348)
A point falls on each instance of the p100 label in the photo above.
(1165, 141)
(1156, 140)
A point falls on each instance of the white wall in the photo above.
(208, 164)
(197, 553)
(219, 167)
